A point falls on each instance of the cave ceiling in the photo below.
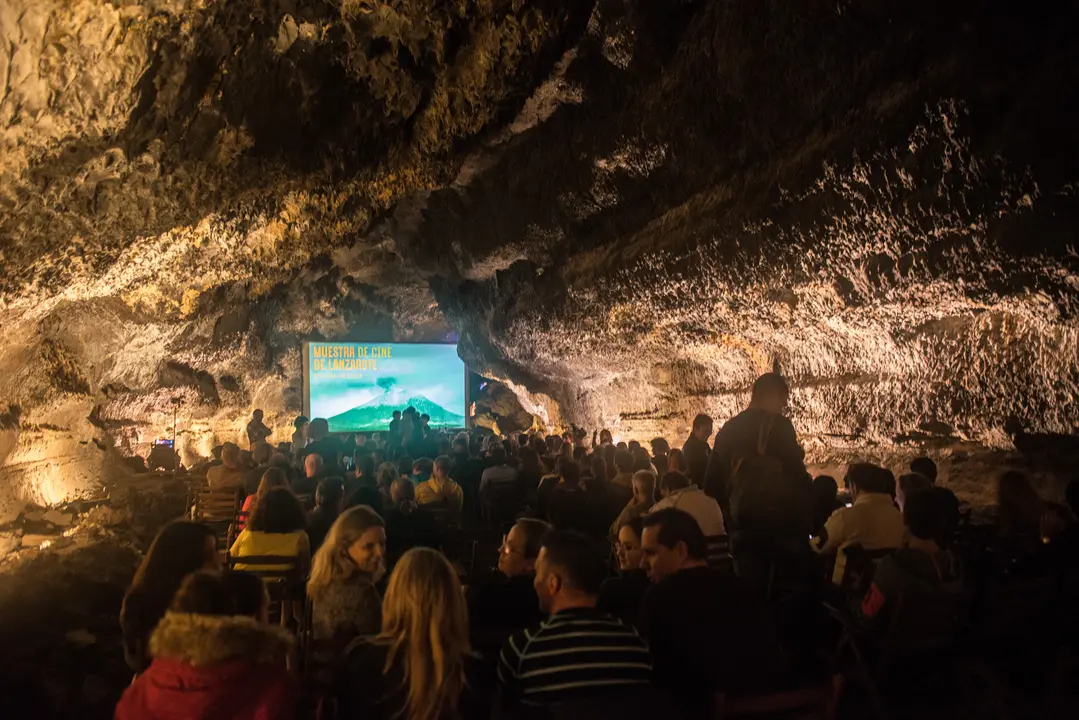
(623, 209)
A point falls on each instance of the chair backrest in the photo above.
(860, 565)
(810, 703)
(307, 501)
(218, 505)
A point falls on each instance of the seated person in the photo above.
(579, 652)
(572, 508)
(407, 524)
(679, 493)
(274, 477)
(872, 521)
(621, 595)
(228, 474)
(313, 470)
(707, 632)
(180, 548)
(825, 500)
(926, 468)
(644, 497)
(440, 490)
(906, 484)
(277, 527)
(415, 667)
(260, 455)
(508, 602)
(351, 562)
(215, 656)
(924, 565)
(422, 470)
(329, 497)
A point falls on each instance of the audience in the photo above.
(644, 491)
(313, 472)
(407, 524)
(707, 632)
(924, 565)
(299, 434)
(871, 522)
(621, 595)
(660, 450)
(344, 601)
(215, 656)
(696, 452)
(415, 667)
(261, 453)
(441, 490)
(906, 484)
(323, 444)
(180, 548)
(710, 631)
(579, 652)
(825, 500)
(925, 467)
(276, 528)
(680, 494)
(274, 477)
(229, 473)
(508, 602)
(329, 497)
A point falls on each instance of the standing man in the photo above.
(757, 474)
(696, 452)
(256, 430)
(395, 429)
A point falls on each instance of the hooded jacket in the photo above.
(209, 667)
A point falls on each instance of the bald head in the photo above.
(312, 465)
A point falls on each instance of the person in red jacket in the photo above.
(215, 657)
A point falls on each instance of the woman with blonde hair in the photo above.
(415, 668)
(352, 558)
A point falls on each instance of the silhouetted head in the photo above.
(702, 427)
(569, 571)
(770, 392)
(924, 467)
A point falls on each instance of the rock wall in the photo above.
(623, 209)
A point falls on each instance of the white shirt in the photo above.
(692, 500)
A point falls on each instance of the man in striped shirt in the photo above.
(579, 652)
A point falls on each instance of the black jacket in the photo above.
(696, 453)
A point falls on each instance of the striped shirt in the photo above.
(575, 654)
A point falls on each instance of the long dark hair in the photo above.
(178, 550)
(278, 511)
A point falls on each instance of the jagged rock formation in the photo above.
(624, 209)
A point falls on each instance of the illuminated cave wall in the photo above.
(624, 209)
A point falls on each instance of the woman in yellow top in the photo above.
(277, 527)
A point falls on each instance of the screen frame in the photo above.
(304, 370)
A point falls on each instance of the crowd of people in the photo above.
(627, 576)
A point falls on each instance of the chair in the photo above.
(286, 579)
(859, 566)
(809, 703)
(918, 626)
(218, 508)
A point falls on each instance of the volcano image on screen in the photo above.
(377, 413)
(358, 386)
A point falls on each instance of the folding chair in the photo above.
(218, 509)
(918, 626)
(286, 579)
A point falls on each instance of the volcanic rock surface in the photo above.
(624, 210)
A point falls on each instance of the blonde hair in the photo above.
(332, 563)
(425, 624)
